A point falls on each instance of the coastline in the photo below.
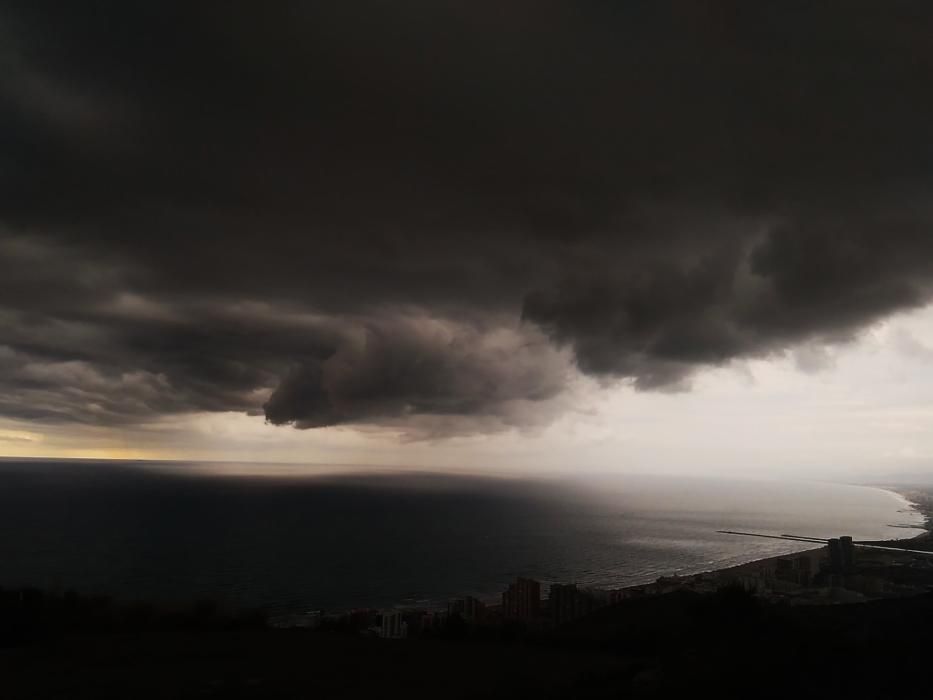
(611, 571)
(919, 500)
(916, 499)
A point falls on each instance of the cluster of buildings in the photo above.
(566, 602)
(837, 572)
(521, 604)
(840, 572)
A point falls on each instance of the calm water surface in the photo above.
(167, 533)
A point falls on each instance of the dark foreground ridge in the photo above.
(730, 641)
(831, 622)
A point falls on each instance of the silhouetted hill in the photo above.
(729, 643)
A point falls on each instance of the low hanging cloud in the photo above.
(412, 367)
(431, 216)
(122, 359)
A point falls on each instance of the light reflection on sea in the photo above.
(288, 542)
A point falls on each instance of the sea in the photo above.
(176, 533)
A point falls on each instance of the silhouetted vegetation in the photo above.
(30, 616)
(730, 642)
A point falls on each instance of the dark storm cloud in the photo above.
(413, 367)
(386, 213)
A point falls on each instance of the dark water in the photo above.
(135, 531)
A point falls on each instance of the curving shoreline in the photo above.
(920, 500)
(915, 499)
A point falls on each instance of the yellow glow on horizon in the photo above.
(40, 451)
(114, 453)
(17, 442)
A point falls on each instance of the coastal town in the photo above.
(841, 571)
(840, 618)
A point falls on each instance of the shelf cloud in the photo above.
(434, 215)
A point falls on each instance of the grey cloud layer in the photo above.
(393, 213)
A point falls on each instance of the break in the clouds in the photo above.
(434, 213)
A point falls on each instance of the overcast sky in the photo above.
(514, 235)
